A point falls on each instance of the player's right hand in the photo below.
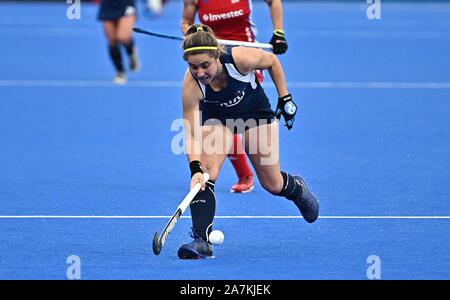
(279, 42)
(198, 178)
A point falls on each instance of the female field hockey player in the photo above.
(238, 26)
(221, 96)
(118, 18)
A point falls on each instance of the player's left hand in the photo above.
(286, 108)
(278, 42)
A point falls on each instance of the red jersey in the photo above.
(229, 19)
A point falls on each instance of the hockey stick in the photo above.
(222, 42)
(158, 241)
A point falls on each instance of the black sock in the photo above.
(291, 189)
(203, 208)
(129, 47)
(116, 57)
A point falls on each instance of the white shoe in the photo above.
(155, 6)
(120, 78)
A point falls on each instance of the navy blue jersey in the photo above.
(111, 10)
(242, 98)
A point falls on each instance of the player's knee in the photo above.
(212, 170)
(273, 186)
(112, 42)
(123, 38)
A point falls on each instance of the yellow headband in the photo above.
(200, 48)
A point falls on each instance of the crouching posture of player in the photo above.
(238, 27)
(224, 87)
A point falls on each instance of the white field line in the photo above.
(217, 217)
(177, 84)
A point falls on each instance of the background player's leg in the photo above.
(110, 29)
(125, 37)
(238, 159)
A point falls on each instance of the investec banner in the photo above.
(217, 17)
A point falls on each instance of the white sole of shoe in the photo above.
(243, 192)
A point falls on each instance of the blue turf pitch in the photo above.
(372, 139)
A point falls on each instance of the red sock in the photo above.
(239, 159)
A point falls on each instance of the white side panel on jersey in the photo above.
(238, 76)
(202, 87)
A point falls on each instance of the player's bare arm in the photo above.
(249, 59)
(188, 16)
(191, 96)
(276, 13)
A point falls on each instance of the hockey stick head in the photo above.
(156, 244)
(159, 241)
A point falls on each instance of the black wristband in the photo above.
(196, 167)
(285, 98)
